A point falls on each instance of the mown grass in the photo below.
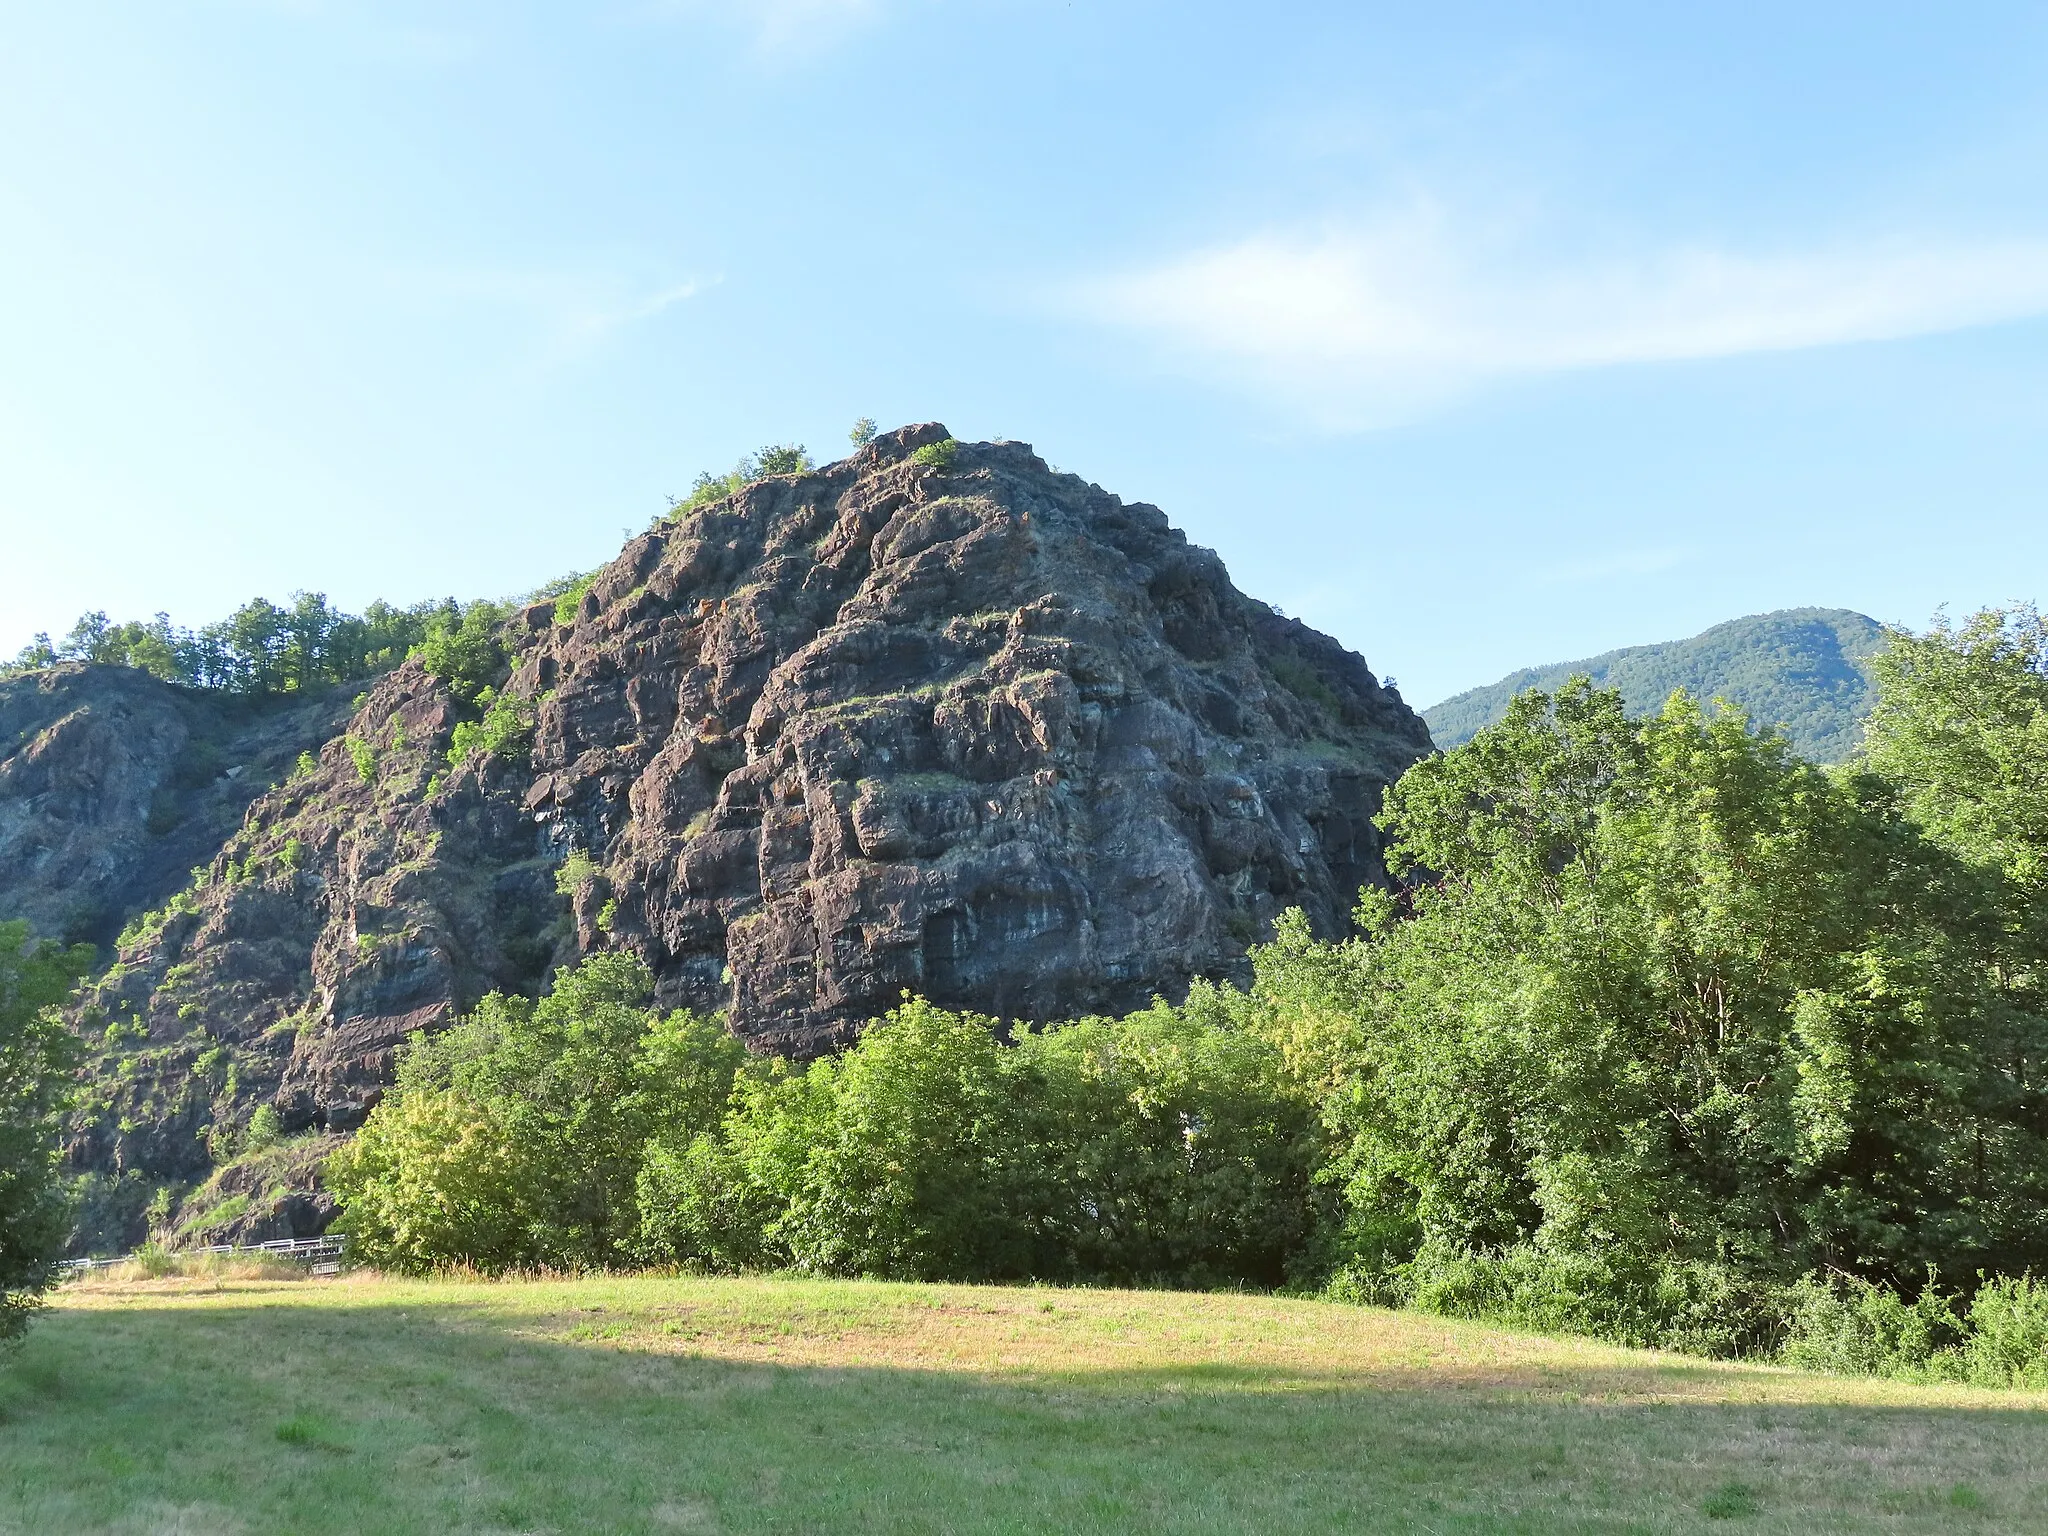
(223, 1404)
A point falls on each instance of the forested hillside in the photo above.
(1805, 669)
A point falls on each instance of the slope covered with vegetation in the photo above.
(656, 1405)
(1805, 670)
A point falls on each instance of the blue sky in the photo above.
(1478, 335)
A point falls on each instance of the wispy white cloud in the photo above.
(565, 313)
(1371, 322)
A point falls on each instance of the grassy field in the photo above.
(656, 1405)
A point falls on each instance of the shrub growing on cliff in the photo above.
(781, 459)
(937, 455)
(774, 459)
(464, 649)
(37, 1058)
(506, 727)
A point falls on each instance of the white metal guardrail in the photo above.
(323, 1255)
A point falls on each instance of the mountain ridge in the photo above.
(1802, 669)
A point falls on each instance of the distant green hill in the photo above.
(1802, 668)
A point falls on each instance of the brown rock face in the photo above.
(953, 724)
(980, 732)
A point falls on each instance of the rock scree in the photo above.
(933, 719)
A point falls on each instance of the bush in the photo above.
(775, 459)
(2007, 1342)
(506, 729)
(938, 456)
(577, 871)
(1173, 1150)
(1161, 1147)
(464, 649)
(516, 1136)
(700, 1206)
(266, 1130)
(781, 459)
(1697, 1307)
(569, 601)
(1853, 1327)
(363, 755)
(904, 1158)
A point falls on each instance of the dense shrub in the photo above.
(1854, 1327)
(1161, 1147)
(905, 1157)
(465, 649)
(1173, 1147)
(506, 727)
(516, 1136)
(1996, 1338)
(1702, 1308)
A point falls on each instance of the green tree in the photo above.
(516, 1136)
(1170, 1148)
(1961, 726)
(37, 1058)
(465, 649)
(905, 1157)
(1668, 1010)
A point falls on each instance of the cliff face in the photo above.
(986, 734)
(113, 785)
(966, 728)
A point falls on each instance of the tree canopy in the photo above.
(259, 650)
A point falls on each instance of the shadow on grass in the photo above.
(422, 1417)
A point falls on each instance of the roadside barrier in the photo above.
(321, 1255)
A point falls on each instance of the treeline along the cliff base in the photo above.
(1663, 1035)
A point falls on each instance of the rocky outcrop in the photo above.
(113, 785)
(933, 719)
(981, 732)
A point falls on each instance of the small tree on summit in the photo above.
(781, 459)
